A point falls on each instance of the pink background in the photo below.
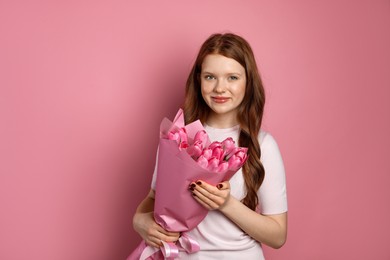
(85, 84)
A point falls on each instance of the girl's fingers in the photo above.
(167, 233)
(214, 189)
(202, 200)
(203, 186)
(213, 197)
(223, 185)
(153, 243)
(161, 234)
(208, 200)
(210, 191)
(168, 236)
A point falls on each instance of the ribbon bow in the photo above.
(170, 251)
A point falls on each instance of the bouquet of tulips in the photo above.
(218, 157)
(186, 155)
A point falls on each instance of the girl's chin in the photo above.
(223, 112)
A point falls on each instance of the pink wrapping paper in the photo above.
(175, 209)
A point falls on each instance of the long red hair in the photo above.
(250, 111)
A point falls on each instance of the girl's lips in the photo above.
(219, 99)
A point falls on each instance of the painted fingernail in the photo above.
(193, 194)
(199, 182)
(192, 188)
(219, 186)
(193, 185)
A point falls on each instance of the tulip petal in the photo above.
(234, 162)
(195, 150)
(228, 145)
(202, 161)
(222, 167)
(213, 164)
(207, 153)
(183, 145)
(202, 137)
(183, 135)
(214, 145)
(174, 136)
(218, 153)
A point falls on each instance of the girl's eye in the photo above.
(233, 78)
(208, 77)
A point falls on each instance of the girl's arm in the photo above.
(268, 229)
(146, 226)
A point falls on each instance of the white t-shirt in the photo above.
(220, 238)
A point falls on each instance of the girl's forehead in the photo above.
(217, 62)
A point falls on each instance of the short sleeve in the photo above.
(272, 193)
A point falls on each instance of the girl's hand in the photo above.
(211, 197)
(151, 232)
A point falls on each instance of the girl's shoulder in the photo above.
(262, 135)
(266, 140)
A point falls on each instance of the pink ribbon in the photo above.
(189, 244)
(170, 251)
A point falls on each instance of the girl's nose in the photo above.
(219, 87)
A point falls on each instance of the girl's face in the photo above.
(223, 84)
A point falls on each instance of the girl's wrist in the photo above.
(228, 204)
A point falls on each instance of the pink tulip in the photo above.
(215, 145)
(237, 151)
(183, 145)
(234, 162)
(207, 153)
(213, 164)
(229, 146)
(222, 167)
(218, 153)
(174, 136)
(202, 161)
(202, 137)
(195, 150)
(183, 135)
(242, 153)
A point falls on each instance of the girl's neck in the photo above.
(221, 121)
